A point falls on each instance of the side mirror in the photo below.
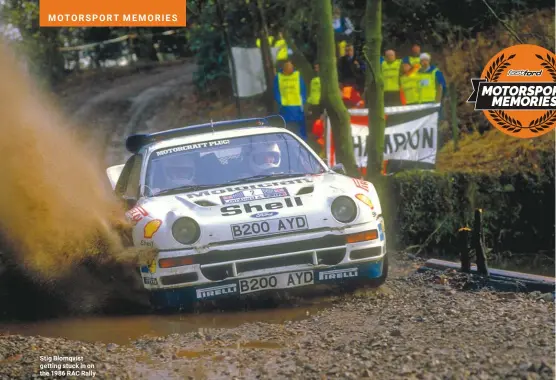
(129, 203)
(339, 168)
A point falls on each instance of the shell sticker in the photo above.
(363, 198)
(151, 228)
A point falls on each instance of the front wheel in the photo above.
(376, 282)
(372, 282)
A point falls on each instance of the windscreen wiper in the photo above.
(263, 177)
(185, 189)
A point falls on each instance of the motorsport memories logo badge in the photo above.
(517, 91)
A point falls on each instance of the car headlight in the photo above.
(344, 209)
(186, 231)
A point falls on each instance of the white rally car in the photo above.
(239, 207)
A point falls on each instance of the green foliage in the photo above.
(518, 208)
(209, 47)
(39, 45)
(207, 40)
(431, 22)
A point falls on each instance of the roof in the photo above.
(209, 136)
(201, 132)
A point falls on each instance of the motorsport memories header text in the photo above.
(112, 17)
(514, 95)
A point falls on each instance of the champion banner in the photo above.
(410, 141)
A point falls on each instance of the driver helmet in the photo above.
(264, 157)
(179, 170)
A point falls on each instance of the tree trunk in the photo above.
(331, 97)
(375, 89)
(224, 29)
(54, 60)
(268, 65)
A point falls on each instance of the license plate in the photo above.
(269, 227)
(276, 281)
(150, 281)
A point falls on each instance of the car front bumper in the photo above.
(322, 257)
(179, 297)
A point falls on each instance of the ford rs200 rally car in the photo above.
(241, 207)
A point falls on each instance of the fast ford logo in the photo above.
(264, 214)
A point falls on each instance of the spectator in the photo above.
(391, 73)
(343, 28)
(409, 83)
(351, 97)
(432, 85)
(350, 68)
(291, 95)
(314, 101)
(415, 56)
(283, 52)
(318, 135)
(314, 105)
(270, 41)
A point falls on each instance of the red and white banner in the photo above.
(410, 134)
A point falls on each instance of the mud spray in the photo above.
(60, 251)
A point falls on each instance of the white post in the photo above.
(328, 131)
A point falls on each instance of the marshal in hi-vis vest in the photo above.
(282, 47)
(270, 41)
(427, 86)
(415, 61)
(290, 89)
(314, 95)
(410, 88)
(391, 74)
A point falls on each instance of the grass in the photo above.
(495, 152)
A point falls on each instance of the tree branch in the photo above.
(197, 13)
(504, 23)
(428, 239)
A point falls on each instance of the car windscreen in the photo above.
(212, 163)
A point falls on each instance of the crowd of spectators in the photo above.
(412, 79)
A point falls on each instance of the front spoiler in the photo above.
(185, 296)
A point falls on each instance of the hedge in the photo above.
(518, 208)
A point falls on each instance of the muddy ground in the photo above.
(416, 326)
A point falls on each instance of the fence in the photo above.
(123, 50)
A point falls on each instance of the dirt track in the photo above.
(412, 328)
(129, 104)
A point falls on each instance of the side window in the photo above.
(130, 173)
(132, 186)
(306, 161)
